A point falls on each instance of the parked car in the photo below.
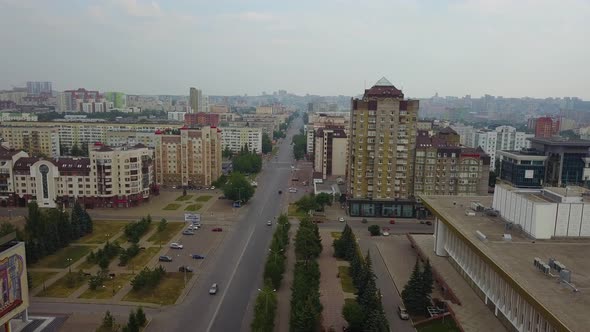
(364, 221)
(392, 221)
(188, 232)
(212, 188)
(165, 259)
(385, 233)
(197, 256)
(292, 190)
(269, 223)
(280, 192)
(217, 229)
(175, 245)
(185, 269)
(213, 289)
(402, 312)
(341, 219)
(428, 222)
(196, 224)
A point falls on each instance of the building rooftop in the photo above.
(383, 88)
(559, 141)
(513, 260)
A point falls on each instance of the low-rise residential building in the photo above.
(37, 141)
(331, 152)
(110, 177)
(235, 138)
(191, 157)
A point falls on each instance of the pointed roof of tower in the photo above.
(384, 89)
(383, 82)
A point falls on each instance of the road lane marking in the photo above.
(231, 278)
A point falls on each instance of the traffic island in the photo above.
(165, 293)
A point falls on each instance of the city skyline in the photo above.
(503, 48)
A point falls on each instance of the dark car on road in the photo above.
(165, 259)
(188, 232)
(197, 256)
(217, 229)
(185, 269)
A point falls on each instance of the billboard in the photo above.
(192, 217)
(13, 282)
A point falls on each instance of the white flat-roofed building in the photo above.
(236, 137)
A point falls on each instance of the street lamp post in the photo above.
(69, 260)
(266, 299)
(275, 254)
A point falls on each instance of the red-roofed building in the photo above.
(194, 120)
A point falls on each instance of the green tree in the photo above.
(323, 199)
(299, 146)
(227, 152)
(238, 188)
(108, 323)
(162, 225)
(6, 228)
(140, 317)
(266, 143)
(264, 310)
(307, 203)
(427, 283)
(75, 151)
(354, 316)
(132, 323)
(374, 230)
(412, 292)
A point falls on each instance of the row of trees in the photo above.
(103, 256)
(136, 321)
(135, 230)
(238, 187)
(305, 298)
(266, 301)
(49, 230)
(299, 146)
(366, 313)
(132, 251)
(247, 161)
(313, 202)
(148, 278)
(417, 292)
(266, 143)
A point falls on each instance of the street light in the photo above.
(266, 300)
(69, 260)
(275, 254)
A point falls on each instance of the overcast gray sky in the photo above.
(534, 48)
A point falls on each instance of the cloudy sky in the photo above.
(536, 48)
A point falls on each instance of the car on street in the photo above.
(212, 188)
(402, 312)
(269, 223)
(385, 233)
(341, 219)
(175, 245)
(292, 190)
(213, 289)
(184, 268)
(217, 229)
(188, 232)
(364, 221)
(280, 192)
(165, 259)
(428, 222)
(392, 221)
(197, 256)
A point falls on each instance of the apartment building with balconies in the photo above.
(381, 152)
(331, 152)
(235, 138)
(35, 140)
(188, 158)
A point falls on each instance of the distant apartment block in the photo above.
(194, 120)
(37, 141)
(331, 152)
(39, 88)
(82, 100)
(176, 116)
(196, 100)
(325, 120)
(219, 109)
(544, 127)
(264, 110)
(235, 138)
(16, 95)
(192, 157)
(502, 138)
(118, 99)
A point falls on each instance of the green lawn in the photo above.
(138, 262)
(38, 277)
(165, 293)
(448, 325)
(86, 265)
(59, 259)
(106, 292)
(184, 198)
(172, 207)
(336, 235)
(193, 207)
(204, 198)
(294, 213)
(100, 230)
(171, 230)
(346, 280)
(62, 288)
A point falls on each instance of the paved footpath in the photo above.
(331, 294)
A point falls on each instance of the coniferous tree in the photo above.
(412, 292)
(140, 317)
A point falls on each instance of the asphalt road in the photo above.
(237, 265)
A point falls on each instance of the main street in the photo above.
(238, 263)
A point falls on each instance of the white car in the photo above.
(213, 289)
(385, 234)
(269, 223)
(341, 219)
(175, 245)
(292, 190)
(212, 188)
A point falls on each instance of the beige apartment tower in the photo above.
(190, 158)
(381, 153)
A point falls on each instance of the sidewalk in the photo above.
(473, 315)
(331, 294)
